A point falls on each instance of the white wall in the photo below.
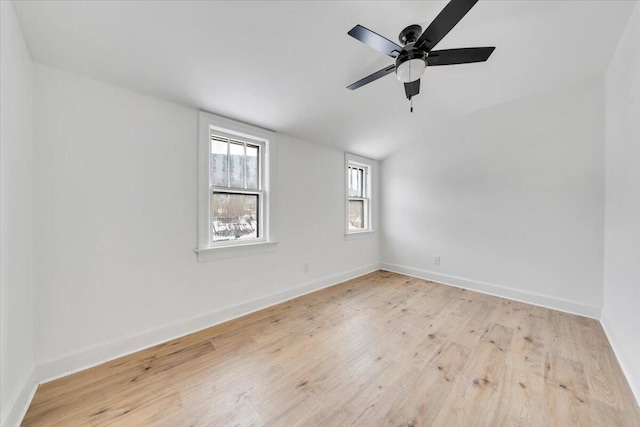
(510, 198)
(116, 216)
(621, 311)
(16, 286)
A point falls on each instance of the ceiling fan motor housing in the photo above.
(410, 34)
(410, 65)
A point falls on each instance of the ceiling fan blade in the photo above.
(372, 77)
(375, 41)
(459, 56)
(452, 13)
(412, 88)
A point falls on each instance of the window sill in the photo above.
(233, 251)
(356, 235)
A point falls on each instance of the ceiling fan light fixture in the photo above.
(410, 66)
(411, 70)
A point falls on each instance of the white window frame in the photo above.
(211, 124)
(369, 198)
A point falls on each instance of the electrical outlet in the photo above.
(305, 267)
(436, 260)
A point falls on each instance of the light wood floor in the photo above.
(383, 349)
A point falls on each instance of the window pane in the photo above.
(234, 216)
(356, 215)
(356, 182)
(353, 183)
(252, 166)
(218, 163)
(236, 165)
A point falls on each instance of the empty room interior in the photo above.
(320, 213)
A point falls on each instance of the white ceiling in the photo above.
(285, 65)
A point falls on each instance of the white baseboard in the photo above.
(628, 363)
(17, 406)
(92, 356)
(497, 290)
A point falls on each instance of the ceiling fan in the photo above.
(416, 54)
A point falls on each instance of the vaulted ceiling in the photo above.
(285, 65)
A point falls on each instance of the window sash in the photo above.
(259, 145)
(358, 176)
(261, 212)
(365, 213)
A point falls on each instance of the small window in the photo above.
(358, 200)
(234, 186)
(359, 181)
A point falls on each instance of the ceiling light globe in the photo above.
(411, 70)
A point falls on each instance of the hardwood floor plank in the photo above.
(382, 349)
(563, 342)
(474, 397)
(604, 376)
(474, 325)
(421, 402)
(499, 335)
(509, 313)
(567, 391)
(522, 393)
(201, 413)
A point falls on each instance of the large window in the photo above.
(234, 184)
(359, 184)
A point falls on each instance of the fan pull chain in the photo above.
(411, 100)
